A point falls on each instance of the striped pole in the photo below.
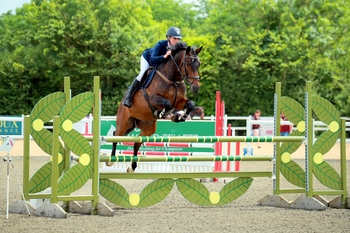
(224, 158)
(170, 144)
(163, 153)
(142, 139)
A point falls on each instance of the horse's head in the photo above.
(187, 62)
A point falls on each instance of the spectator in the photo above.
(285, 129)
(256, 127)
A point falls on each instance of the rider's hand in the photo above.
(167, 54)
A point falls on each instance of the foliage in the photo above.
(248, 45)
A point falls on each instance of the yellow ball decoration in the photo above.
(301, 126)
(334, 126)
(67, 125)
(214, 197)
(318, 158)
(60, 158)
(38, 125)
(285, 157)
(134, 199)
(84, 159)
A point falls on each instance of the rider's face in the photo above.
(174, 40)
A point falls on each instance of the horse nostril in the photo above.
(195, 89)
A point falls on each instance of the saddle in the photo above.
(147, 77)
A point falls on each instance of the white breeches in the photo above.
(143, 67)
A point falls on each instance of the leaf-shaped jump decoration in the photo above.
(234, 190)
(325, 111)
(291, 147)
(293, 173)
(291, 170)
(155, 192)
(74, 178)
(43, 139)
(74, 110)
(41, 180)
(292, 109)
(194, 191)
(48, 107)
(325, 142)
(76, 142)
(327, 175)
(77, 108)
(115, 193)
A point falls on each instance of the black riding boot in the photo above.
(130, 94)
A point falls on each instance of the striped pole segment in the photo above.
(142, 139)
(170, 144)
(162, 153)
(127, 158)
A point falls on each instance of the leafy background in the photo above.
(248, 46)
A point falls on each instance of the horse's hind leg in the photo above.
(147, 129)
(134, 164)
(125, 124)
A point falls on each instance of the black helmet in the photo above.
(174, 32)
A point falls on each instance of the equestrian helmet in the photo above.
(174, 32)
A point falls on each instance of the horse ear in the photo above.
(188, 50)
(199, 50)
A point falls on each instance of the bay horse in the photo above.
(196, 111)
(165, 93)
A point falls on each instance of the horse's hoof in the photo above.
(129, 169)
(109, 164)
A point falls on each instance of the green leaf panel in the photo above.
(290, 147)
(78, 107)
(74, 178)
(194, 191)
(292, 109)
(234, 190)
(41, 179)
(293, 173)
(43, 139)
(325, 142)
(48, 107)
(327, 175)
(324, 110)
(76, 142)
(115, 193)
(155, 192)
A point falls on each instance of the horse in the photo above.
(196, 111)
(166, 92)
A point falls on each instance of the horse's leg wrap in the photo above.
(160, 114)
(189, 107)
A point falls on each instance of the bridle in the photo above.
(183, 76)
(183, 63)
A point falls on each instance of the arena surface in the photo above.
(175, 213)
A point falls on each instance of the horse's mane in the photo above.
(179, 46)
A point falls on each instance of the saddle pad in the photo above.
(149, 79)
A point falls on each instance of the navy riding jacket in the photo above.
(154, 56)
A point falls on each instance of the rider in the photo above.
(153, 57)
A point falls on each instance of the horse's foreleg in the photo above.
(187, 105)
(160, 101)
